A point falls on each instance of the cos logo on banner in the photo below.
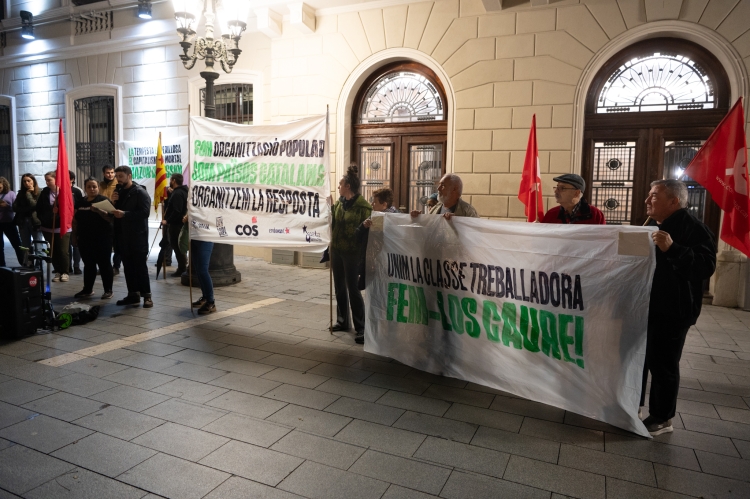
(246, 230)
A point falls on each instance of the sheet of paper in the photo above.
(105, 206)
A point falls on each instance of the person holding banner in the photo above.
(349, 212)
(685, 257)
(133, 206)
(449, 199)
(573, 207)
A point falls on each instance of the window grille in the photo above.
(94, 135)
(401, 97)
(657, 82)
(234, 102)
(6, 153)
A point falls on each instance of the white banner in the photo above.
(141, 158)
(552, 313)
(260, 185)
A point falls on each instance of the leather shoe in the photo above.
(130, 300)
(199, 303)
(178, 273)
(359, 338)
(339, 327)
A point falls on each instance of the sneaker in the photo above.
(199, 303)
(64, 277)
(115, 271)
(107, 295)
(656, 427)
(147, 303)
(207, 308)
(56, 278)
(130, 300)
(77, 271)
(359, 338)
(84, 294)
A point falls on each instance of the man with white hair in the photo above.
(450, 203)
(685, 257)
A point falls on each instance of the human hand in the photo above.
(184, 219)
(54, 209)
(115, 196)
(367, 223)
(662, 240)
(415, 213)
(118, 213)
(164, 222)
(448, 215)
(3, 204)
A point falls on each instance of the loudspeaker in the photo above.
(21, 297)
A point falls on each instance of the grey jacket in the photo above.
(463, 209)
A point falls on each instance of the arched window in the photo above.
(399, 133)
(648, 111)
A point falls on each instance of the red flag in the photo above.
(721, 167)
(64, 193)
(530, 191)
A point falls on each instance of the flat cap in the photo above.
(572, 179)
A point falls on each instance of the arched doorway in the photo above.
(399, 133)
(648, 111)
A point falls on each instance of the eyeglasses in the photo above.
(558, 188)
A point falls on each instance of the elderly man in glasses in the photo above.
(573, 207)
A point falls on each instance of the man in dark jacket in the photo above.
(172, 223)
(685, 257)
(573, 207)
(133, 205)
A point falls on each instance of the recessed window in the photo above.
(234, 102)
(657, 82)
(402, 97)
(94, 135)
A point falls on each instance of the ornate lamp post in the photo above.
(232, 15)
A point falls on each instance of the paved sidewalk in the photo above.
(266, 403)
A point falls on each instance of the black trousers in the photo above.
(61, 251)
(663, 353)
(96, 254)
(345, 276)
(136, 270)
(174, 237)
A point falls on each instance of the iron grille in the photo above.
(376, 169)
(612, 182)
(677, 156)
(94, 135)
(425, 170)
(234, 103)
(6, 158)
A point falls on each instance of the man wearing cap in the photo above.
(573, 207)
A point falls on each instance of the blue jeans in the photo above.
(201, 256)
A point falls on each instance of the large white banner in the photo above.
(551, 313)
(260, 185)
(141, 158)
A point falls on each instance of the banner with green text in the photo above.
(260, 185)
(552, 313)
(140, 156)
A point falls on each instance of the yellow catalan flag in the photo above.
(160, 184)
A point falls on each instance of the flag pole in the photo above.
(330, 262)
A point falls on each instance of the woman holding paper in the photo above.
(94, 230)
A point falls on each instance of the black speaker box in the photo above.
(21, 298)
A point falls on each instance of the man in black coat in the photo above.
(172, 223)
(133, 205)
(685, 257)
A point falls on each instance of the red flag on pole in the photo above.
(64, 193)
(530, 191)
(721, 167)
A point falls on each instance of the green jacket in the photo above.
(345, 223)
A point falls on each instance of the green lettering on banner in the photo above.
(510, 331)
(402, 302)
(565, 338)
(456, 314)
(503, 324)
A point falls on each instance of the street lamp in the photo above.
(232, 17)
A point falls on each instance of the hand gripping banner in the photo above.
(265, 185)
(552, 313)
